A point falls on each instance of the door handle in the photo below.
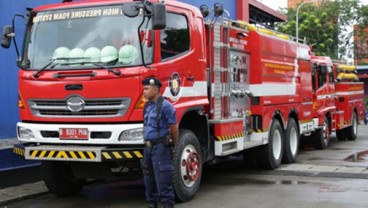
(190, 78)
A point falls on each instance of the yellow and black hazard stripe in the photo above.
(229, 137)
(18, 151)
(257, 130)
(346, 123)
(62, 154)
(121, 155)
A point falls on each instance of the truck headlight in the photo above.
(131, 135)
(24, 133)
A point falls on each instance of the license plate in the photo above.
(73, 133)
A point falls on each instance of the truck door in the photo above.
(330, 102)
(324, 90)
(182, 60)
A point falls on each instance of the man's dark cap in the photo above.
(152, 81)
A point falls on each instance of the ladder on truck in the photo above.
(228, 74)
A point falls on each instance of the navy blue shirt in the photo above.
(167, 117)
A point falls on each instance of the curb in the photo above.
(8, 143)
(22, 192)
(358, 172)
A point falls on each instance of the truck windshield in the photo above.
(86, 38)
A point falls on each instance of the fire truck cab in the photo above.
(337, 100)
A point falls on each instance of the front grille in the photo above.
(93, 108)
(81, 113)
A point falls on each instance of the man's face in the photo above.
(150, 91)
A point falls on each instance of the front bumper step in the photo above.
(77, 153)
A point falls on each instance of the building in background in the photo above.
(361, 54)
(248, 10)
(360, 45)
(296, 3)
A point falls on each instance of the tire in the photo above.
(250, 158)
(271, 153)
(322, 136)
(291, 142)
(341, 134)
(187, 166)
(352, 131)
(60, 180)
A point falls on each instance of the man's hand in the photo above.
(174, 133)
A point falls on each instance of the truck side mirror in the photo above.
(7, 35)
(131, 9)
(159, 16)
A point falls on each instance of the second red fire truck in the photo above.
(237, 89)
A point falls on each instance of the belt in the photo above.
(154, 142)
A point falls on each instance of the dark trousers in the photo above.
(158, 174)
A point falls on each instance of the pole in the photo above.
(297, 17)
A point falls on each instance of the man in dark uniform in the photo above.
(160, 135)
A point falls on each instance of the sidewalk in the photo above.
(7, 143)
(22, 192)
(10, 162)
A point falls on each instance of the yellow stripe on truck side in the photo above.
(229, 137)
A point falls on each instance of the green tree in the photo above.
(348, 11)
(328, 28)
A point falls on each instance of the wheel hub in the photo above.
(193, 166)
(190, 166)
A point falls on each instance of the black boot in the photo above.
(152, 204)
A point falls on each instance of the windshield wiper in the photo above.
(52, 64)
(114, 71)
(37, 74)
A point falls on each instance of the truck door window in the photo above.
(175, 37)
(322, 75)
(330, 74)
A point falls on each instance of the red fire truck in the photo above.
(237, 89)
(338, 100)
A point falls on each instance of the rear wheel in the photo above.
(352, 131)
(291, 144)
(341, 134)
(250, 158)
(59, 178)
(322, 135)
(271, 153)
(187, 166)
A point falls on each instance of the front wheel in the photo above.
(187, 166)
(59, 178)
(322, 135)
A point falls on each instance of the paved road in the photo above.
(226, 186)
(319, 178)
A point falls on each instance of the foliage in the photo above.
(327, 28)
